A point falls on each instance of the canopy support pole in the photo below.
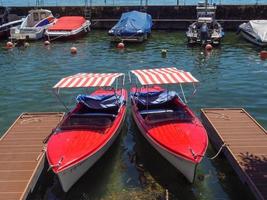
(56, 92)
(183, 92)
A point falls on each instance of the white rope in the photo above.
(216, 155)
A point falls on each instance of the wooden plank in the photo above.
(21, 155)
(10, 195)
(15, 175)
(246, 143)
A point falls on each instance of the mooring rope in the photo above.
(216, 155)
(210, 158)
(56, 165)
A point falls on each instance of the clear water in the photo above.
(123, 2)
(230, 76)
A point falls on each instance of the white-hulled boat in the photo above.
(166, 121)
(88, 131)
(255, 31)
(33, 26)
(206, 30)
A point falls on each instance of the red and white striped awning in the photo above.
(83, 80)
(163, 76)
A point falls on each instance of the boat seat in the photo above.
(94, 115)
(166, 116)
(100, 103)
(155, 111)
(88, 121)
(155, 100)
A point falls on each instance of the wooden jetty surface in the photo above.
(22, 153)
(246, 144)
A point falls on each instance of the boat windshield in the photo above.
(166, 116)
(88, 121)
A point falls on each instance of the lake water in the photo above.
(122, 2)
(230, 76)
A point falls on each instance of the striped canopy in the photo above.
(83, 80)
(163, 76)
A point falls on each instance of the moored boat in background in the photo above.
(86, 132)
(166, 121)
(33, 26)
(68, 27)
(133, 26)
(206, 30)
(255, 31)
(7, 21)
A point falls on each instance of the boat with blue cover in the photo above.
(133, 26)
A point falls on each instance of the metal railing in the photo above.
(123, 2)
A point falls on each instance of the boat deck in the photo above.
(22, 153)
(246, 145)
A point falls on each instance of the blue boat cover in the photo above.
(100, 102)
(132, 23)
(155, 98)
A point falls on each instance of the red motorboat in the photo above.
(86, 132)
(166, 121)
(68, 27)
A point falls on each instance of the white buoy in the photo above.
(26, 44)
(164, 53)
(46, 43)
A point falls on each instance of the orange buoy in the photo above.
(263, 55)
(46, 43)
(73, 50)
(9, 45)
(120, 45)
(208, 47)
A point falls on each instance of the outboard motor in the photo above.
(204, 33)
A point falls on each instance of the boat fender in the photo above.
(73, 50)
(121, 45)
(208, 47)
(263, 55)
(9, 45)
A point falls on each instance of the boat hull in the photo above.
(70, 176)
(68, 35)
(28, 33)
(139, 38)
(186, 167)
(251, 39)
(5, 28)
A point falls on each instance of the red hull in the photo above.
(70, 147)
(184, 139)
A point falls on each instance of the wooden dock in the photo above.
(22, 153)
(246, 145)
